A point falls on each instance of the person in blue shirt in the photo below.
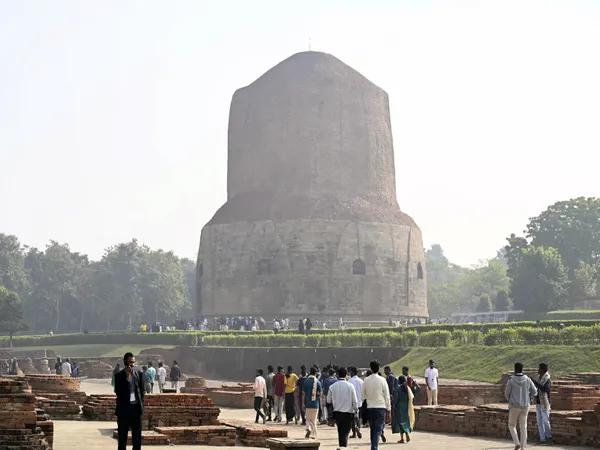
(311, 391)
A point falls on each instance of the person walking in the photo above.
(175, 375)
(328, 379)
(268, 405)
(376, 393)
(130, 403)
(162, 376)
(66, 368)
(342, 397)
(279, 393)
(519, 392)
(311, 390)
(542, 403)
(410, 381)
(151, 376)
(260, 394)
(298, 400)
(403, 416)
(431, 378)
(357, 383)
(58, 366)
(291, 379)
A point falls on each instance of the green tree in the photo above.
(118, 289)
(485, 304)
(541, 281)
(501, 301)
(585, 282)
(163, 286)
(12, 271)
(57, 278)
(452, 288)
(11, 313)
(573, 228)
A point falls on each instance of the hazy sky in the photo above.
(113, 114)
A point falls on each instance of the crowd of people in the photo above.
(350, 399)
(66, 367)
(252, 323)
(345, 397)
(151, 376)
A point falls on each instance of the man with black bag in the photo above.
(130, 403)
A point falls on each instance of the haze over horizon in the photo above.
(114, 115)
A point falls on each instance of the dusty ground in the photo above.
(97, 435)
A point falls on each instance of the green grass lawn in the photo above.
(480, 363)
(93, 350)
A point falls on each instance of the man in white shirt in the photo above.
(357, 383)
(342, 396)
(376, 392)
(260, 393)
(66, 368)
(431, 378)
(162, 376)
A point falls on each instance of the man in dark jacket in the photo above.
(129, 389)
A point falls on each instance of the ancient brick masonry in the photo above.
(57, 395)
(465, 394)
(21, 426)
(575, 397)
(99, 407)
(254, 435)
(217, 435)
(568, 427)
(311, 225)
(240, 396)
(149, 437)
(160, 410)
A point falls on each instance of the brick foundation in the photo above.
(255, 435)
(568, 427)
(217, 435)
(22, 426)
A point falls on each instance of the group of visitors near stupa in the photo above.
(345, 398)
(342, 397)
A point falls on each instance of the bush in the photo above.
(435, 338)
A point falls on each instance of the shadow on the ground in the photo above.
(106, 431)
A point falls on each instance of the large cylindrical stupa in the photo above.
(311, 226)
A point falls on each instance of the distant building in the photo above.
(311, 226)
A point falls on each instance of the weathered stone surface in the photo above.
(312, 225)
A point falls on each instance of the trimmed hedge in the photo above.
(555, 333)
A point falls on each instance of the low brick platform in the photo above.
(160, 410)
(568, 427)
(149, 437)
(52, 383)
(232, 398)
(464, 394)
(194, 385)
(240, 396)
(95, 369)
(216, 435)
(255, 435)
(19, 427)
(59, 409)
(575, 397)
(99, 407)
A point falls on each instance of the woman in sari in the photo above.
(404, 412)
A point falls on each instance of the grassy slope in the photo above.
(480, 363)
(93, 350)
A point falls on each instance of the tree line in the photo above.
(62, 290)
(554, 265)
